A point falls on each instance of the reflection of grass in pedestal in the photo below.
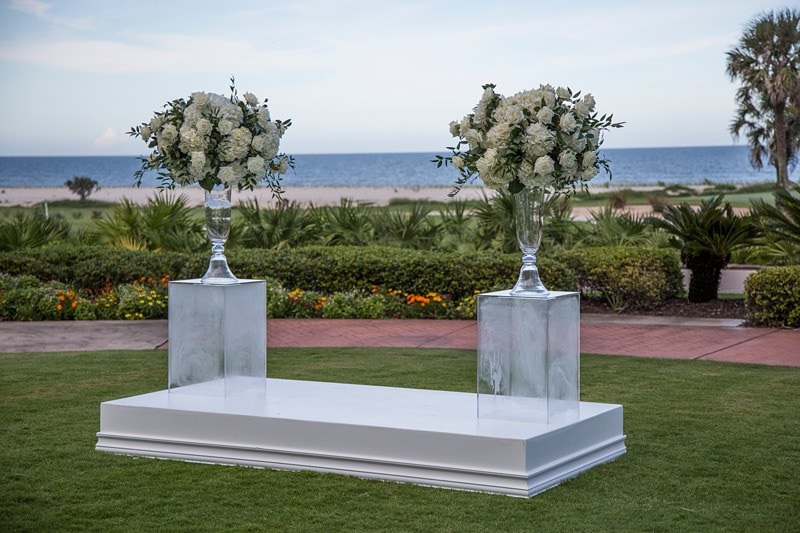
(710, 446)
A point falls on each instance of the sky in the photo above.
(362, 76)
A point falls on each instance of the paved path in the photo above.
(709, 339)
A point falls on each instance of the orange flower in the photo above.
(59, 307)
(74, 304)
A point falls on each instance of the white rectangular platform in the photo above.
(407, 435)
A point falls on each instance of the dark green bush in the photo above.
(772, 297)
(322, 269)
(345, 268)
(634, 277)
(94, 267)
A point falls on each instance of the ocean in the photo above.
(630, 167)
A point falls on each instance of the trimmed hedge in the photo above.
(324, 269)
(634, 277)
(772, 297)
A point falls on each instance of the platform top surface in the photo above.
(391, 407)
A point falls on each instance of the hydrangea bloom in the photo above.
(215, 140)
(541, 138)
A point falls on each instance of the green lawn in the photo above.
(711, 446)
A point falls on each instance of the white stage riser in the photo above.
(401, 473)
(406, 435)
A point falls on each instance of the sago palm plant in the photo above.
(165, 223)
(32, 230)
(348, 224)
(413, 229)
(780, 227)
(706, 238)
(284, 226)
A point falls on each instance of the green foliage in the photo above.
(767, 61)
(354, 304)
(83, 186)
(95, 267)
(165, 223)
(780, 226)
(608, 228)
(31, 230)
(625, 276)
(284, 226)
(772, 297)
(412, 229)
(706, 238)
(348, 224)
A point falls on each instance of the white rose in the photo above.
(227, 176)
(200, 99)
(458, 162)
(589, 160)
(225, 126)
(258, 142)
(567, 122)
(204, 126)
(545, 115)
(589, 102)
(251, 99)
(465, 126)
(474, 139)
(549, 95)
(544, 167)
(263, 116)
(486, 162)
(198, 164)
(256, 165)
(498, 135)
(567, 161)
(144, 131)
(455, 128)
(563, 93)
(168, 135)
(155, 123)
(510, 114)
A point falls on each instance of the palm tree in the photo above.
(706, 238)
(767, 61)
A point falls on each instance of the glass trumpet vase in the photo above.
(528, 205)
(218, 227)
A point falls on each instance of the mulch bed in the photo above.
(675, 307)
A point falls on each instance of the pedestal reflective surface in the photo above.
(217, 337)
(529, 356)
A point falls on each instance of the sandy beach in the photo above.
(28, 196)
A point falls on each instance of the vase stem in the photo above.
(218, 226)
(528, 205)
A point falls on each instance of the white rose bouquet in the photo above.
(214, 140)
(542, 138)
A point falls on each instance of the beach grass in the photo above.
(711, 446)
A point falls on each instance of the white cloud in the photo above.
(32, 7)
(108, 138)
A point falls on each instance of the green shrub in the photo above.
(634, 277)
(95, 267)
(772, 297)
(354, 304)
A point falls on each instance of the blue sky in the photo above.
(361, 75)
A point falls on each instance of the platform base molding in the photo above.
(424, 437)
